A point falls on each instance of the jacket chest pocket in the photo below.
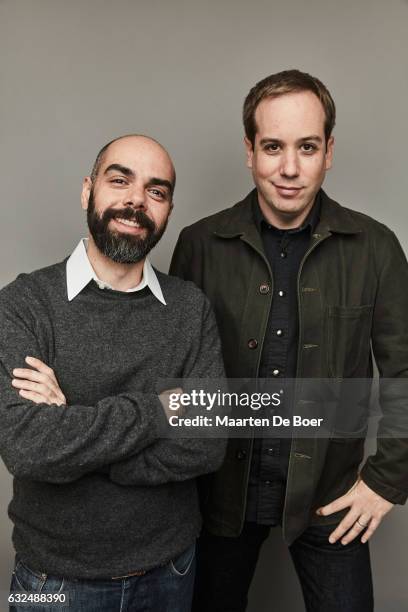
(349, 332)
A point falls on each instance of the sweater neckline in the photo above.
(113, 294)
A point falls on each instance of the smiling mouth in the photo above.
(288, 188)
(287, 191)
(127, 222)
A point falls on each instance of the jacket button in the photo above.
(252, 343)
(241, 454)
(264, 288)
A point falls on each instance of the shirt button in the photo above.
(271, 452)
(283, 254)
(279, 332)
(268, 483)
(264, 288)
(252, 343)
(275, 372)
(241, 454)
(281, 293)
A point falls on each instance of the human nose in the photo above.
(136, 198)
(289, 165)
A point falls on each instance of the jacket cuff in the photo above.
(391, 494)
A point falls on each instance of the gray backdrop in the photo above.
(77, 73)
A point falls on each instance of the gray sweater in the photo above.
(97, 492)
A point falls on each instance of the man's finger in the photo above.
(39, 389)
(29, 385)
(357, 528)
(164, 397)
(38, 377)
(34, 397)
(33, 375)
(38, 395)
(347, 522)
(39, 365)
(370, 529)
(338, 504)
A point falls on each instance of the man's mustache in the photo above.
(130, 214)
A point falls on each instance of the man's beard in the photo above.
(122, 247)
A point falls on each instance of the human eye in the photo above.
(158, 194)
(309, 147)
(119, 181)
(272, 147)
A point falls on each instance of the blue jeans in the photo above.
(333, 577)
(163, 589)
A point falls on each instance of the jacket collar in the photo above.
(239, 221)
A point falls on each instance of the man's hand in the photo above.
(164, 397)
(367, 510)
(39, 384)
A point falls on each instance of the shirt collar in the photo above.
(80, 273)
(311, 220)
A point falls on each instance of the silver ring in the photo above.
(362, 524)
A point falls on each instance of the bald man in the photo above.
(105, 509)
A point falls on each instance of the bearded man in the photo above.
(105, 510)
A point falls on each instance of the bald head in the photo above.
(138, 145)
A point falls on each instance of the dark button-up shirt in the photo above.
(284, 250)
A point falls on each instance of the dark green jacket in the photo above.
(352, 295)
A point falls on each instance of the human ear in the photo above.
(249, 152)
(329, 153)
(85, 193)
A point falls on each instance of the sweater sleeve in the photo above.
(59, 444)
(174, 460)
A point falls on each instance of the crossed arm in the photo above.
(166, 460)
(42, 438)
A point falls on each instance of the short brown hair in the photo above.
(287, 81)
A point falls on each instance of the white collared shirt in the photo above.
(80, 273)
